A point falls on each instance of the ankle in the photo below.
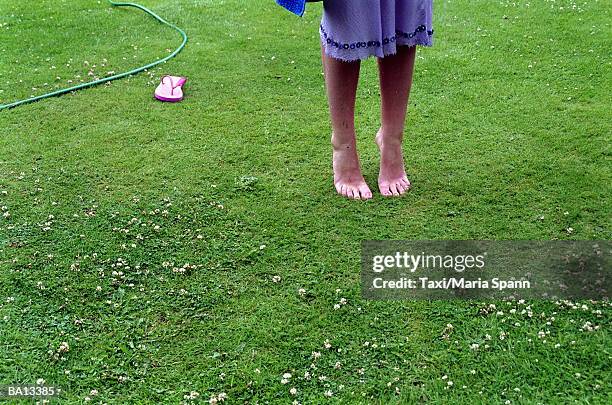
(390, 136)
(343, 141)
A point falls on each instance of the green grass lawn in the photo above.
(200, 246)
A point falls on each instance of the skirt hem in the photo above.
(353, 55)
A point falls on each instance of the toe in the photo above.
(384, 189)
(354, 194)
(343, 190)
(400, 188)
(393, 189)
(365, 192)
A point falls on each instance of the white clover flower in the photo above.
(293, 391)
(328, 393)
(63, 348)
(192, 395)
(588, 326)
(287, 375)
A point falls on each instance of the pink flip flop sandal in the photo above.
(170, 89)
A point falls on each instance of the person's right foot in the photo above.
(348, 179)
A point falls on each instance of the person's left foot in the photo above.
(392, 179)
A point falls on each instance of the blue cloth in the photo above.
(295, 6)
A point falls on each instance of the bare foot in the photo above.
(348, 179)
(392, 179)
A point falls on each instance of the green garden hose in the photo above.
(114, 77)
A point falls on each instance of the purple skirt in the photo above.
(357, 29)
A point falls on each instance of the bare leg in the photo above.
(395, 82)
(341, 80)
